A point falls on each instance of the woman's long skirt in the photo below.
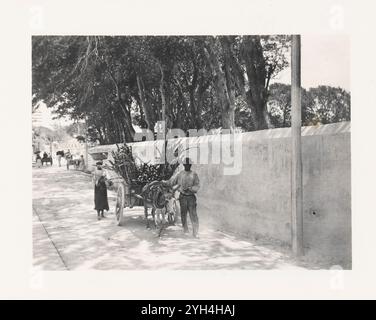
(100, 197)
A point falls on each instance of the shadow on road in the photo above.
(63, 201)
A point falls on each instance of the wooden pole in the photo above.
(163, 113)
(296, 167)
(86, 146)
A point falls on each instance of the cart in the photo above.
(47, 160)
(153, 195)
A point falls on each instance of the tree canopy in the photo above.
(323, 104)
(194, 82)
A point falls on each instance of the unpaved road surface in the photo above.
(68, 236)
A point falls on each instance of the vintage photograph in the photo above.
(210, 152)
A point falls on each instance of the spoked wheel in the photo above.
(120, 202)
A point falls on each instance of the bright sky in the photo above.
(44, 117)
(325, 61)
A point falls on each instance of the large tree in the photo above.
(331, 104)
(77, 75)
(323, 104)
(192, 82)
(243, 67)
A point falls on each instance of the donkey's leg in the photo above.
(153, 214)
(146, 217)
(164, 213)
(161, 227)
(159, 216)
(170, 208)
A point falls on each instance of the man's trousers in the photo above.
(188, 203)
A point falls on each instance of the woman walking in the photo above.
(100, 191)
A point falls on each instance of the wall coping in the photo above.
(326, 129)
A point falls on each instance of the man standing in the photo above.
(189, 184)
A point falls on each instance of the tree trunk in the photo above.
(230, 87)
(115, 127)
(224, 97)
(194, 106)
(145, 106)
(198, 119)
(129, 133)
(120, 130)
(161, 90)
(257, 79)
(202, 87)
(129, 130)
(183, 99)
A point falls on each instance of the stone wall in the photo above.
(256, 201)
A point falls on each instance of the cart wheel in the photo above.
(120, 204)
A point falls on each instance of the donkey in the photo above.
(156, 195)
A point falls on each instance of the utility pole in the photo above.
(86, 146)
(296, 163)
(163, 114)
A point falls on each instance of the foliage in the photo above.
(114, 82)
(125, 165)
(323, 104)
(75, 129)
(330, 104)
(46, 134)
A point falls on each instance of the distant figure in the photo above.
(82, 163)
(68, 158)
(76, 162)
(39, 161)
(100, 190)
(59, 156)
(44, 158)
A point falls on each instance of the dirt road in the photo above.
(68, 236)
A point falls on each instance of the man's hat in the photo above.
(187, 161)
(99, 163)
